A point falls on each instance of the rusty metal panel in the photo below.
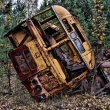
(41, 64)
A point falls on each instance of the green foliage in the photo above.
(9, 18)
(100, 22)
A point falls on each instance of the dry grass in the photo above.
(20, 99)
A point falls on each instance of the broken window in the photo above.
(79, 45)
(77, 42)
(29, 59)
(78, 33)
(22, 63)
(66, 24)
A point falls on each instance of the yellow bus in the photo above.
(51, 52)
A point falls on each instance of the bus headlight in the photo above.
(37, 89)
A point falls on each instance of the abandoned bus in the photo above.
(51, 52)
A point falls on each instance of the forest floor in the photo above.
(20, 99)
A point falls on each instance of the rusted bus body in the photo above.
(50, 54)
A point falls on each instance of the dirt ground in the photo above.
(20, 99)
